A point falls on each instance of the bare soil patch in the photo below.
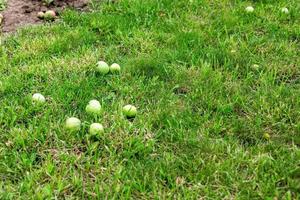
(24, 12)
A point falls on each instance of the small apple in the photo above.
(255, 66)
(49, 15)
(249, 9)
(233, 51)
(129, 111)
(96, 129)
(38, 98)
(93, 107)
(115, 68)
(73, 124)
(102, 67)
(285, 10)
(267, 136)
(40, 15)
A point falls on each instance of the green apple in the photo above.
(38, 98)
(249, 9)
(233, 51)
(96, 129)
(255, 66)
(129, 111)
(40, 15)
(102, 67)
(73, 124)
(50, 15)
(93, 107)
(115, 68)
(267, 136)
(285, 10)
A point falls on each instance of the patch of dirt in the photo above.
(24, 12)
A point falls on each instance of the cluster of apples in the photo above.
(48, 15)
(94, 107)
(103, 68)
(250, 9)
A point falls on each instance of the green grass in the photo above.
(203, 107)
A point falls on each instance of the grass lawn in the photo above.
(217, 91)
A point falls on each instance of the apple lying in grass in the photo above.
(96, 129)
(249, 9)
(50, 15)
(115, 68)
(129, 111)
(93, 107)
(102, 67)
(38, 98)
(73, 124)
(285, 10)
(267, 136)
(255, 66)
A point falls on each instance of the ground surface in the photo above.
(19, 13)
(204, 107)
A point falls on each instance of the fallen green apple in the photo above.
(40, 15)
(50, 15)
(38, 98)
(255, 66)
(93, 107)
(102, 67)
(115, 68)
(285, 10)
(73, 124)
(249, 9)
(129, 111)
(267, 136)
(96, 129)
